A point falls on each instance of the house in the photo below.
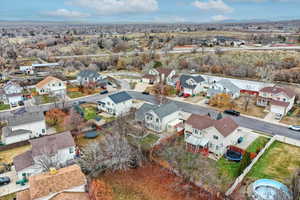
(224, 86)
(59, 147)
(203, 132)
(51, 85)
(165, 75)
(87, 77)
(279, 99)
(23, 127)
(11, 93)
(191, 85)
(159, 118)
(27, 69)
(116, 104)
(67, 183)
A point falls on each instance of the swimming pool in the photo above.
(267, 189)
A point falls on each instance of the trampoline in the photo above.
(233, 155)
(91, 134)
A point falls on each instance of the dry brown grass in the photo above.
(8, 155)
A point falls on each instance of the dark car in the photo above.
(232, 112)
(81, 102)
(104, 92)
(146, 93)
(4, 180)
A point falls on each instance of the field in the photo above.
(279, 162)
(4, 106)
(150, 182)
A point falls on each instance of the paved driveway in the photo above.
(248, 138)
(12, 187)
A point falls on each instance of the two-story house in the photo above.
(23, 127)
(11, 93)
(86, 77)
(67, 183)
(158, 117)
(224, 86)
(165, 75)
(203, 132)
(58, 147)
(116, 104)
(51, 85)
(191, 85)
(280, 99)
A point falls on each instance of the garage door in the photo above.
(278, 109)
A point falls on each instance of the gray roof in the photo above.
(23, 161)
(229, 85)
(25, 118)
(7, 132)
(184, 78)
(140, 113)
(52, 143)
(89, 74)
(119, 97)
(166, 109)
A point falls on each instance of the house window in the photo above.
(284, 99)
(157, 120)
(216, 137)
(71, 150)
(59, 84)
(43, 130)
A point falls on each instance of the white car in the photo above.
(294, 127)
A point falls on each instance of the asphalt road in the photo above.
(254, 124)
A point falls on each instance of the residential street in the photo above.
(254, 124)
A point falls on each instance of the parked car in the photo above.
(21, 103)
(146, 93)
(180, 94)
(232, 112)
(104, 92)
(278, 116)
(4, 180)
(81, 102)
(295, 127)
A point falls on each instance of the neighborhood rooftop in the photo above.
(120, 97)
(45, 81)
(89, 73)
(184, 78)
(165, 109)
(25, 118)
(277, 90)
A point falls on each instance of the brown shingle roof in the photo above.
(225, 125)
(165, 71)
(47, 80)
(52, 143)
(23, 195)
(72, 196)
(277, 90)
(46, 183)
(280, 103)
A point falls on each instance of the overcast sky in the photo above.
(113, 11)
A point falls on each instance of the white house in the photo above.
(58, 147)
(192, 85)
(24, 127)
(203, 132)
(12, 93)
(27, 69)
(165, 75)
(116, 104)
(159, 118)
(279, 99)
(224, 86)
(86, 77)
(51, 85)
(64, 184)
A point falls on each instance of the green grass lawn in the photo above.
(279, 162)
(44, 99)
(8, 197)
(90, 113)
(149, 141)
(4, 106)
(231, 169)
(74, 95)
(257, 144)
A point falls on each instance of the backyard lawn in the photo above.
(8, 155)
(147, 142)
(90, 113)
(74, 95)
(231, 169)
(4, 106)
(44, 99)
(8, 197)
(279, 162)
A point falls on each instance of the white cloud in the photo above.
(219, 18)
(111, 7)
(66, 13)
(213, 5)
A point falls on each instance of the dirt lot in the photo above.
(151, 183)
